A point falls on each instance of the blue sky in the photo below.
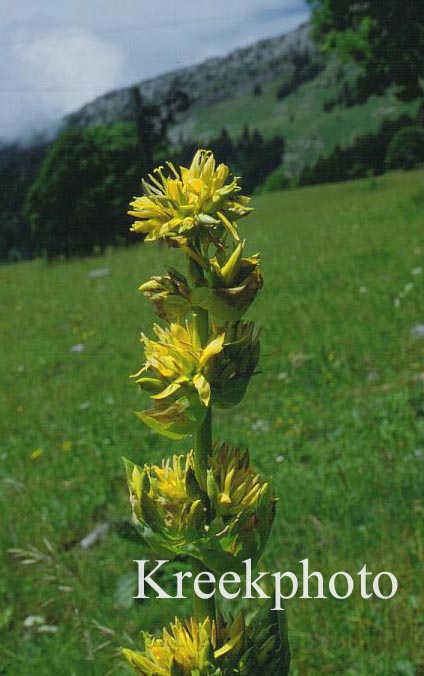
(56, 56)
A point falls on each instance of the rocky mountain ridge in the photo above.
(213, 80)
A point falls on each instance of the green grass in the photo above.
(336, 418)
(309, 132)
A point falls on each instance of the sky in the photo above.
(57, 56)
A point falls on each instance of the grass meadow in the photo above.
(336, 419)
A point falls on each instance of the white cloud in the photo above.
(71, 65)
(62, 55)
(53, 75)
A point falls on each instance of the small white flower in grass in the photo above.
(418, 453)
(408, 287)
(99, 272)
(363, 289)
(280, 458)
(396, 302)
(78, 348)
(416, 271)
(33, 620)
(84, 405)
(299, 359)
(95, 536)
(417, 331)
(282, 376)
(47, 629)
(260, 426)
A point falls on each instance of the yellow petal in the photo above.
(228, 646)
(203, 388)
(232, 266)
(212, 348)
(136, 482)
(230, 227)
(173, 387)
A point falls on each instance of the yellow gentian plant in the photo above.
(210, 506)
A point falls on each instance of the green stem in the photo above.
(203, 436)
(201, 324)
(202, 449)
(202, 608)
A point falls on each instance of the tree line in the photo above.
(71, 200)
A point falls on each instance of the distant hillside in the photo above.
(309, 131)
(214, 80)
(243, 88)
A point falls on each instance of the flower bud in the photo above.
(230, 371)
(233, 284)
(170, 295)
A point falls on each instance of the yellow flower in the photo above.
(216, 648)
(67, 446)
(242, 500)
(182, 643)
(239, 487)
(177, 359)
(174, 366)
(162, 489)
(169, 509)
(37, 453)
(166, 504)
(182, 377)
(197, 198)
(185, 649)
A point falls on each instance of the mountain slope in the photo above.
(216, 79)
(308, 130)
(242, 88)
